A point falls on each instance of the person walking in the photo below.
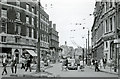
(14, 65)
(96, 66)
(4, 63)
(66, 64)
(28, 64)
(104, 62)
(110, 63)
(78, 64)
(63, 64)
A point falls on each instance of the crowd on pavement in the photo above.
(26, 64)
(78, 63)
(103, 64)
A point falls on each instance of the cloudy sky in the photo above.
(70, 17)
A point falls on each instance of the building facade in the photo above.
(19, 27)
(67, 51)
(103, 30)
(54, 41)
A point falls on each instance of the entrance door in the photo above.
(17, 54)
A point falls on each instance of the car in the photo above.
(71, 64)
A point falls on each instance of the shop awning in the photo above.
(31, 52)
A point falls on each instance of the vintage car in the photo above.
(71, 64)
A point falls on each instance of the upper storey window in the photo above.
(32, 9)
(18, 2)
(4, 13)
(4, 1)
(27, 7)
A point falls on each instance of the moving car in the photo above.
(71, 64)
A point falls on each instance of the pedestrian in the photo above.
(96, 66)
(81, 65)
(66, 64)
(4, 63)
(110, 63)
(78, 64)
(93, 61)
(101, 63)
(104, 62)
(14, 65)
(28, 64)
(23, 66)
(63, 64)
(22, 62)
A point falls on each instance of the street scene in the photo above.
(49, 38)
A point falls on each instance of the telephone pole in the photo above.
(38, 43)
(86, 51)
(116, 36)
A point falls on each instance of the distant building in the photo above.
(78, 52)
(67, 51)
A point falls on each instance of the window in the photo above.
(106, 44)
(32, 33)
(27, 41)
(27, 7)
(16, 40)
(33, 9)
(111, 24)
(4, 13)
(37, 13)
(3, 27)
(4, 1)
(18, 29)
(18, 15)
(111, 3)
(3, 38)
(27, 19)
(107, 28)
(32, 21)
(37, 23)
(18, 2)
(27, 31)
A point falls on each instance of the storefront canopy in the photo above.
(31, 52)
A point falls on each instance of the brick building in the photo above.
(19, 28)
(54, 42)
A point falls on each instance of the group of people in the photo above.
(26, 64)
(101, 63)
(13, 63)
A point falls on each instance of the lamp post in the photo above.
(38, 43)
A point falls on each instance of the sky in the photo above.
(70, 16)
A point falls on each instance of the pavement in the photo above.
(22, 73)
(86, 72)
(106, 70)
(54, 70)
